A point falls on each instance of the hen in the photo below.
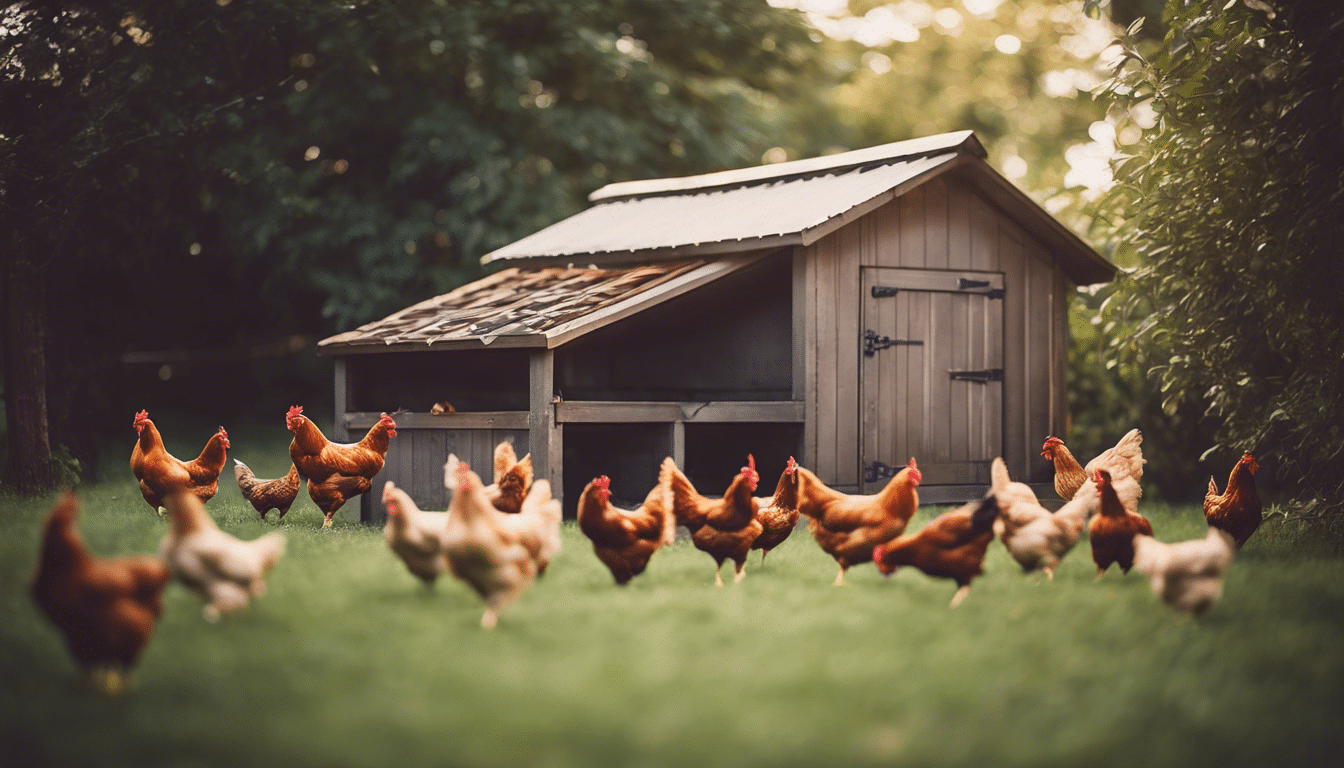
(778, 514)
(512, 479)
(1122, 461)
(1238, 509)
(496, 553)
(723, 528)
(1187, 575)
(264, 495)
(1112, 532)
(1032, 535)
(848, 527)
(415, 536)
(160, 473)
(624, 540)
(337, 472)
(223, 570)
(106, 608)
(951, 546)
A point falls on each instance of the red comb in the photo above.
(792, 466)
(912, 465)
(294, 411)
(602, 482)
(141, 416)
(223, 433)
(751, 462)
(1096, 478)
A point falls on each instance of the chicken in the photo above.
(724, 528)
(512, 479)
(496, 553)
(624, 540)
(951, 546)
(107, 608)
(1187, 575)
(778, 514)
(160, 473)
(1122, 461)
(848, 527)
(265, 495)
(1238, 509)
(223, 570)
(1112, 532)
(415, 536)
(1032, 535)
(337, 472)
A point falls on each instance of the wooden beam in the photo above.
(679, 444)
(545, 437)
(514, 341)
(727, 411)
(467, 420)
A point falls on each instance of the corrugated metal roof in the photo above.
(531, 307)
(746, 213)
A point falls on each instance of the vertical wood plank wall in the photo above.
(415, 459)
(941, 224)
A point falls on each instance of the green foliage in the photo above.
(1231, 207)
(348, 660)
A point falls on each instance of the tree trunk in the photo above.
(25, 325)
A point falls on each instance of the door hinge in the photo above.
(979, 377)
(873, 342)
(876, 470)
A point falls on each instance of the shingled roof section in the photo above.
(531, 307)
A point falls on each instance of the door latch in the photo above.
(873, 342)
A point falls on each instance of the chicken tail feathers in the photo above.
(983, 517)
(681, 493)
(999, 478)
(1213, 488)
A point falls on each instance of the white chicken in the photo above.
(496, 553)
(1187, 575)
(225, 571)
(415, 536)
(1031, 534)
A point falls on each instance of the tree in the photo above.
(1232, 207)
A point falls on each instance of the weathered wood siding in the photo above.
(942, 224)
(415, 459)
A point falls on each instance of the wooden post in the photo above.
(545, 436)
(340, 431)
(804, 354)
(679, 444)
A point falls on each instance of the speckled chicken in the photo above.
(264, 495)
(107, 608)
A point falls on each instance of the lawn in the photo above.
(350, 661)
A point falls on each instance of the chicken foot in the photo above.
(840, 578)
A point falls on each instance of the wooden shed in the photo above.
(852, 310)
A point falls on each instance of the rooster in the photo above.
(1032, 535)
(1122, 461)
(724, 528)
(106, 608)
(778, 514)
(264, 495)
(226, 572)
(624, 540)
(160, 473)
(1187, 575)
(951, 546)
(1238, 509)
(848, 527)
(337, 472)
(498, 554)
(415, 536)
(1112, 532)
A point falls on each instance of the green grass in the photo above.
(349, 661)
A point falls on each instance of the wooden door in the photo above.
(931, 375)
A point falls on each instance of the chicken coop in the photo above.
(853, 310)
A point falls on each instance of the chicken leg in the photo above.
(962, 594)
(840, 578)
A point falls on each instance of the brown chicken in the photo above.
(724, 528)
(1122, 461)
(624, 540)
(1112, 532)
(337, 472)
(778, 514)
(160, 473)
(513, 479)
(849, 527)
(1238, 509)
(278, 494)
(106, 608)
(951, 546)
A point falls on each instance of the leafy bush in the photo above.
(1231, 205)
